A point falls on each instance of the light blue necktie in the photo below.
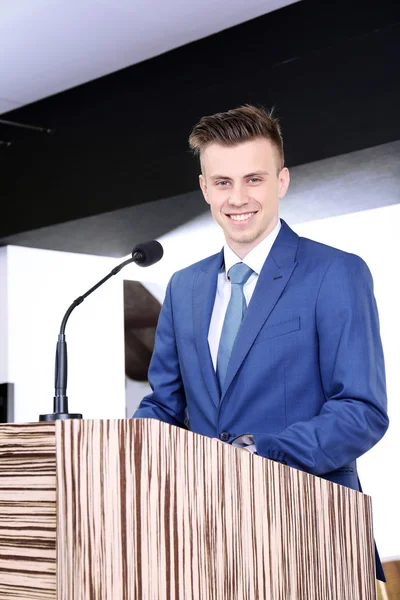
(238, 275)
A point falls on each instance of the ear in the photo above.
(284, 181)
(203, 186)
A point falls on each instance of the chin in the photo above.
(245, 238)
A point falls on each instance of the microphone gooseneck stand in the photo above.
(145, 254)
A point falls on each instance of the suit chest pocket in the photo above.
(272, 331)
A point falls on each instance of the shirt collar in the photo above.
(256, 257)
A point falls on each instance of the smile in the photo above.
(242, 217)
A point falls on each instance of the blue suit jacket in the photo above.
(306, 377)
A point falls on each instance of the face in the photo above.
(242, 185)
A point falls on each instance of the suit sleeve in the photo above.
(353, 417)
(167, 400)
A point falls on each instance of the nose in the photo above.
(237, 196)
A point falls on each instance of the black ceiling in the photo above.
(114, 233)
(331, 69)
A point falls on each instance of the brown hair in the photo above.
(235, 126)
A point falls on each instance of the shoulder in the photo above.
(318, 257)
(328, 258)
(206, 264)
(183, 276)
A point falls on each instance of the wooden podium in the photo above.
(141, 510)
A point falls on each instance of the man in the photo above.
(301, 378)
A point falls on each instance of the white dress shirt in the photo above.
(255, 259)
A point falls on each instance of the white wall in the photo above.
(41, 285)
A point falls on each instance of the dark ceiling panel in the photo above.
(114, 233)
(331, 70)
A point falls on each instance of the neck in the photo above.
(242, 249)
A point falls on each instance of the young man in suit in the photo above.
(273, 344)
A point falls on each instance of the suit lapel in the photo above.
(204, 291)
(271, 283)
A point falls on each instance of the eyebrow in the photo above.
(254, 174)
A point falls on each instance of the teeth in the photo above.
(241, 217)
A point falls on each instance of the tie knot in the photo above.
(239, 273)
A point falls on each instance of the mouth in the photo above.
(241, 218)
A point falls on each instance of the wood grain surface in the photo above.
(28, 512)
(147, 511)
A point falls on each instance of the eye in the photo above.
(254, 180)
(222, 183)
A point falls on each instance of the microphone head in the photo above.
(147, 253)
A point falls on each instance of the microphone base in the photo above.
(59, 416)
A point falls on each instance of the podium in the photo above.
(141, 510)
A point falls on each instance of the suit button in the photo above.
(224, 436)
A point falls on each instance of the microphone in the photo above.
(144, 255)
(148, 253)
